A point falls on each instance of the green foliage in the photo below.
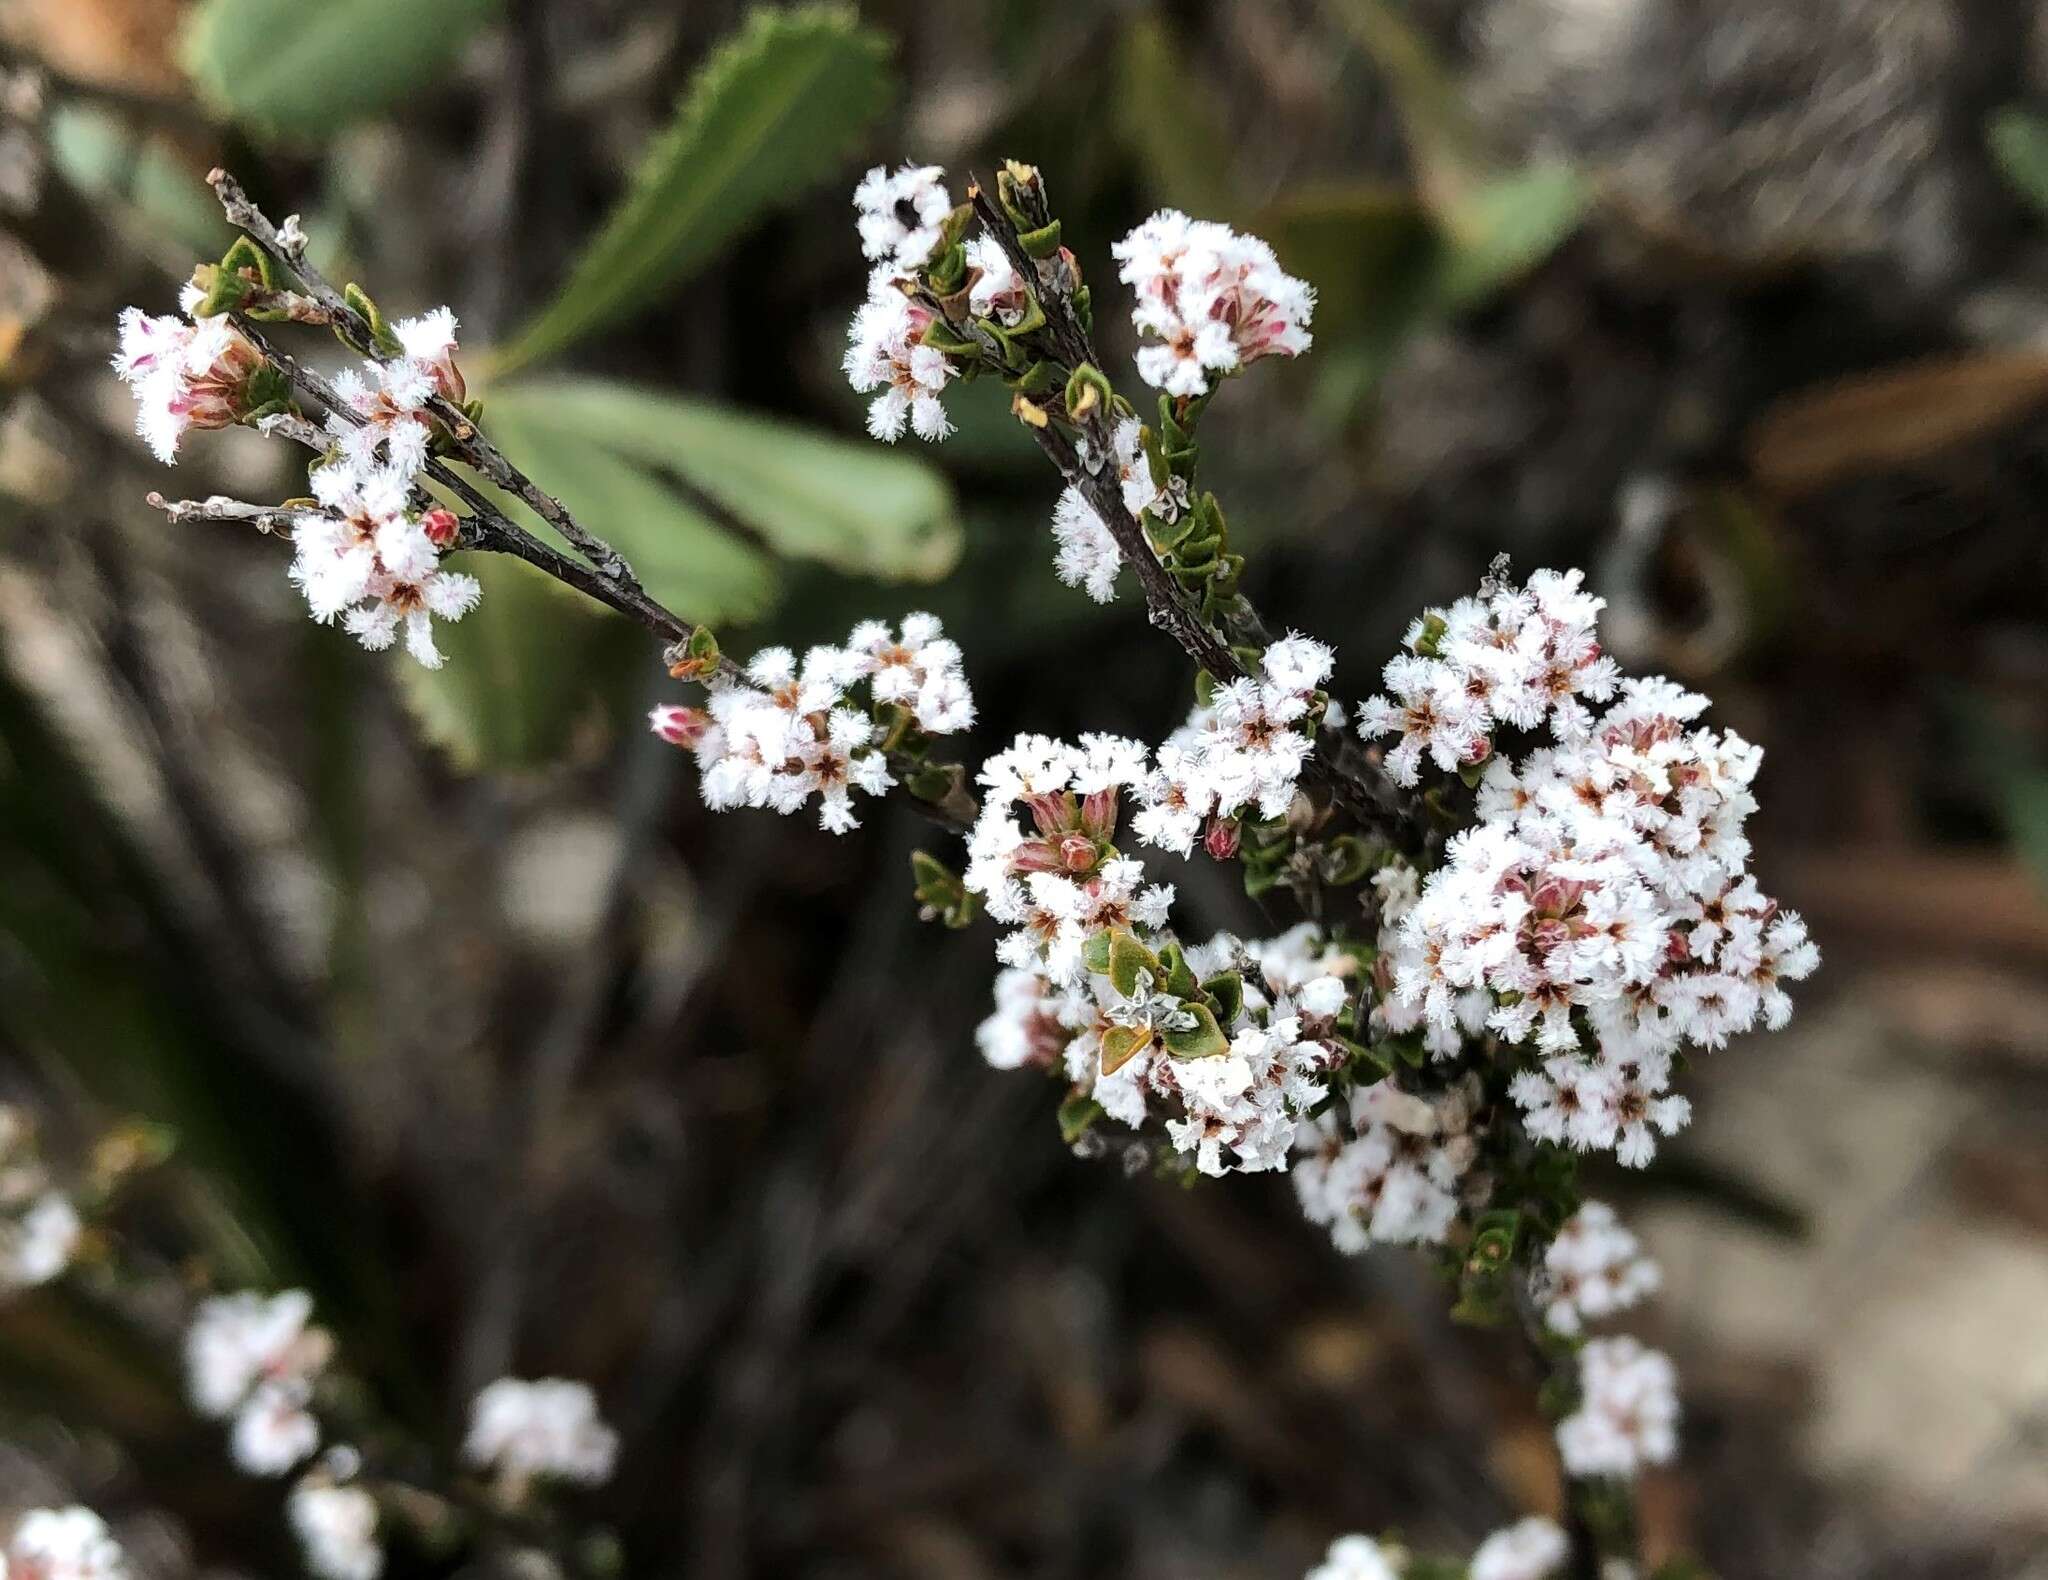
(105, 158)
(1505, 227)
(1165, 117)
(525, 668)
(295, 70)
(2018, 139)
(702, 501)
(770, 113)
(851, 505)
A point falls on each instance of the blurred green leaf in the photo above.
(1444, 143)
(526, 667)
(1505, 227)
(299, 68)
(774, 110)
(852, 505)
(2026, 818)
(2018, 139)
(104, 157)
(1164, 115)
(697, 567)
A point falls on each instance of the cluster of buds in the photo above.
(256, 1360)
(1209, 301)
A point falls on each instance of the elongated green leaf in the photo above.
(2019, 143)
(525, 668)
(771, 112)
(685, 559)
(1505, 227)
(1165, 116)
(299, 68)
(854, 506)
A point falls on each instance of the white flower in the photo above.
(884, 353)
(547, 1428)
(1395, 1181)
(429, 342)
(1212, 300)
(1359, 1558)
(388, 401)
(411, 604)
(63, 1544)
(274, 1430)
(239, 1341)
(1087, 556)
(1593, 1269)
(1628, 1410)
(184, 375)
(1025, 1030)
(337, 1530)
(997, 292)
(900, 214)
(39, 1245)
(1531, 1549)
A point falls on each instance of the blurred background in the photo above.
(469, 1018)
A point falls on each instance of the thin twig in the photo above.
(288, 247)
(270, 520)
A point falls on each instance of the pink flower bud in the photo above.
(1222, 839)
(1078, 853)
(678, 726)
(440, 526)
(1098, 813)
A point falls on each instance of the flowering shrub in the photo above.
(1524, 875)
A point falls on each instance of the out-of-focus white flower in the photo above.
(1628, 1410)
(1394, 1179)
(337, 1530)
(39, 1244)
(1210, 300)
(1359, 1558)
(1592, 1269)
(273, 1429)
(548, 1428)
(1531, 1549)
(63, 1544)
(238, 1341)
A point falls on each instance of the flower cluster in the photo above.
(257, 1359)
(187, 372)
(368, 556)
(785, 732)
(1211, 299)
(1245, 749)
(337, 1529)
(369, 551)
(901, 221)
(1627, 1415)
(550, 1428)
(39, 1227)
(1505, 659)
(1594, 1268)
(1395, 1178)
(62, 1544)
(1061, 882)
(1602, 896)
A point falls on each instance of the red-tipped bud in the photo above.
(1078, 853)
(1098, 813)
(1036, 855)
(440, 526)
(1052, 813)
(1221, 841)
(679, 726)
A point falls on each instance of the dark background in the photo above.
(555, 1072)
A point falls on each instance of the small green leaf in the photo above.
(1227, 989)
(296, 70)
(1077, 1117)
(856, 507)
(1095, 952)
(771, 112)
(524, 669)
(2018, 139)
(1121, 1044)
(1203, 1040)
(1127, 959)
